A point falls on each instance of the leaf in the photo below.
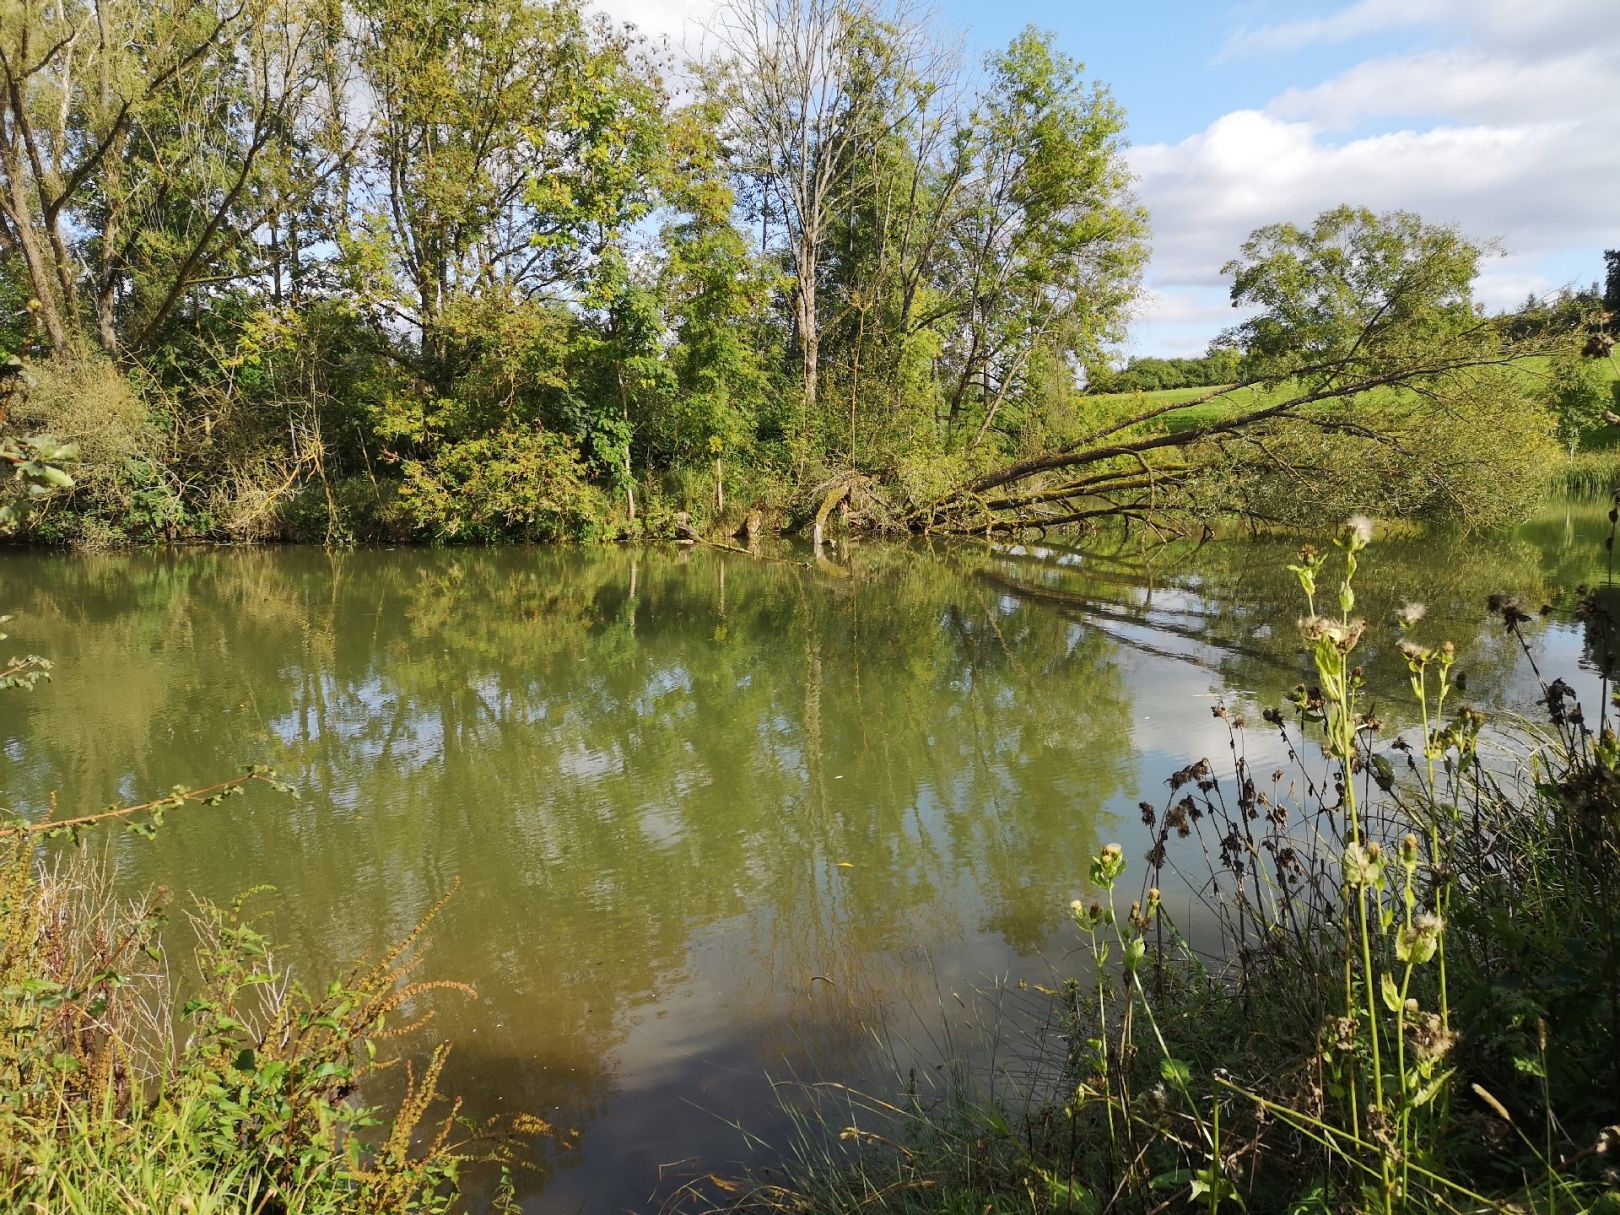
(1175, 1072)
(1171, 1180)
(1392, 995)
(1432, 1089)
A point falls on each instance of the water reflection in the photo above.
(711, 814)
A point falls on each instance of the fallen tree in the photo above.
(1369, 379)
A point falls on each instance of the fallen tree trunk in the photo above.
(1133, 471)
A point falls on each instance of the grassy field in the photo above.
(1239, 400)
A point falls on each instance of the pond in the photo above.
(715, 818)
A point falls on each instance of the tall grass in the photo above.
(1588, 474)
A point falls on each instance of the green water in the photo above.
(713, 817)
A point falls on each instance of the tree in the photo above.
(902, 196)
(1050, 244)
(807, 91)
(136, 154)
(1579, 395)
(1353, 295)
(1611, 287)
(510, 136)
(1366, 335)
(716, 294)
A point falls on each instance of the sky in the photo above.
(1501, 117)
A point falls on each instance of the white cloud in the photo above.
(1506, 133)
(1461, 84)
(1513, 24)
(1357, 21)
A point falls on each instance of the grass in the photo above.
(1590, 473)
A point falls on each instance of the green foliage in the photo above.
(831, 263)
(1579, 395)
(1051, 242)
(1475, 453)
(1353, 296)
(524, 485)
(33, 463)
(1219, 366)
(1611, 286)
(717, 294)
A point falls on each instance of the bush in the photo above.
(528, 485)
(86, 401)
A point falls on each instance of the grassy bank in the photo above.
(1597, 435)
(1414, 1004)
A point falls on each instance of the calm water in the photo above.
(713, 817)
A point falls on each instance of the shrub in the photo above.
(87, 401)
(514, 485)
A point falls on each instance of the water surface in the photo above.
(713, 817)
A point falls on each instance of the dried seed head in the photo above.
(1409, 614)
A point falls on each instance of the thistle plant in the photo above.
(1105, 930)
(1378, 882)
(1394, 1056)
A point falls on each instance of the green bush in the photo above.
(514, 485)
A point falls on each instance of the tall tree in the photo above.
(807, 96)
(1352, 295)
(1611, 287)
(716, 293)
(1050, 243)
(1356, 304)
(509, 135)
(135, 143)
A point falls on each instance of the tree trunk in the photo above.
(41, 275)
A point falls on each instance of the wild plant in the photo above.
(1358, 902)
(245, 1092)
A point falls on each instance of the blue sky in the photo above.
(1499, 116)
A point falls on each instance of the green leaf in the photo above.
(1175, 1072)
(1171, 1180)
(1432, 1089)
